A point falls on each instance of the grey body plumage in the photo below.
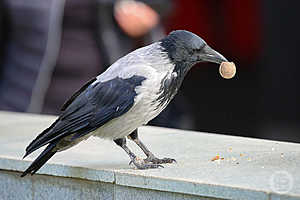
(130, 93)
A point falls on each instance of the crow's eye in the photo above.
(197, 50)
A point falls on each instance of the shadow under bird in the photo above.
(131, 92)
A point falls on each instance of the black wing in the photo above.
(91, 108)
(77, 93)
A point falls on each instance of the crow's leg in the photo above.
(150, 156)
(139, 163)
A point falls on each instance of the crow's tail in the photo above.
(41, 160)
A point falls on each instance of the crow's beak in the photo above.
(207, 54)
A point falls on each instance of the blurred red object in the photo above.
(233, 26)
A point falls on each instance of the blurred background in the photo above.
(48, 49)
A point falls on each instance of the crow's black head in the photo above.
(186, 49)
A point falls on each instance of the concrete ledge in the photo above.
(98, 169)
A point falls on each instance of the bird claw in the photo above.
(141, 164)
(155, 160)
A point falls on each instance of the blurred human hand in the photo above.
(135, 18)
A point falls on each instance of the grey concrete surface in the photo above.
(39, 187)
(247, 168)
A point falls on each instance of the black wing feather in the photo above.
(77, 93)
(90, 109)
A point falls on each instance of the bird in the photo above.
(131, 92)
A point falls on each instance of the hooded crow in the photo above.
(131, 92)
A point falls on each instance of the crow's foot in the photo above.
(142, 164)
(154, 160)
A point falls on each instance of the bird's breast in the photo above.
(169, 87)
